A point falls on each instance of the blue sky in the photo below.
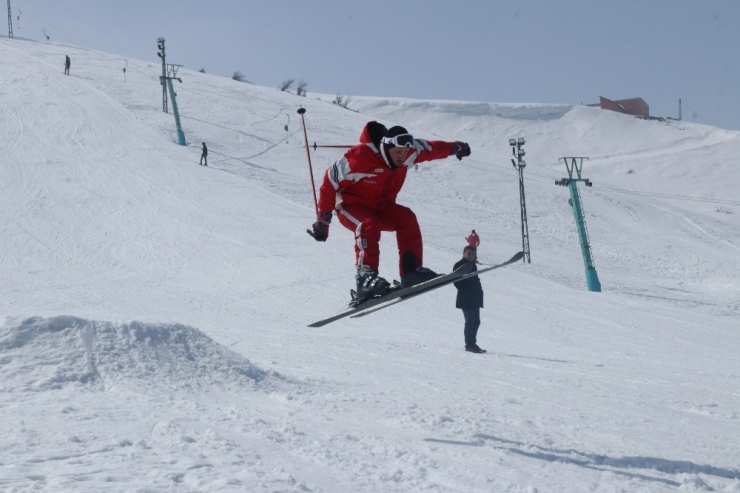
(566, 51)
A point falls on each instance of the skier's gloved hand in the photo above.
(460, 150)
(320, 229)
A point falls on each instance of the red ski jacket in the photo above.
(362, 177)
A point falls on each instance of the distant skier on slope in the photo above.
(204, 155)
(362, 187)
(473, 241)
(67, 63)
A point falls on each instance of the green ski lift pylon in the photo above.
(172, 74)
(575, 165)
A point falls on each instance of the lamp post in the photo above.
(161, 55)
(10, 22)
(519, 164)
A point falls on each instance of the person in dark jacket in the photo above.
(470, 300)
(67, 63)
(204, 156)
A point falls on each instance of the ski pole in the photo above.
(316, 146)
(302, 111)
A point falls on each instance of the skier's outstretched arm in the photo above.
(428, 150)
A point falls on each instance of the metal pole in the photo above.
(592, 278)
(525, 226)
(163, 79)
(519, 164)
(10, 22)
(316, 146)
(180, 133)
(576, 166)
(301, 112)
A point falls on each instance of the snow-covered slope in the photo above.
(155, 311)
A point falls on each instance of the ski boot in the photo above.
(417, 276)
(369, 285)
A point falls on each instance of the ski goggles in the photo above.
(403, 140)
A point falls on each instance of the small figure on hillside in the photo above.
(470, 301)
(67, 63)
(473, 241)
(362, 187)
(204, 155)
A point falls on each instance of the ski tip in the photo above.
(518, 256)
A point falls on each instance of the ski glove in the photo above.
(460, 150)
(321, 227)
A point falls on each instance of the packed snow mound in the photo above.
(40, 354)
(516, 111)
(551, 128)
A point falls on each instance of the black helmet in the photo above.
(394, 137)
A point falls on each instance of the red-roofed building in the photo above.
(633, 106)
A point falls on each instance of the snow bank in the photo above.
(40, 354)
(516, 111)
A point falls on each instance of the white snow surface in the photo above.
(154, 312)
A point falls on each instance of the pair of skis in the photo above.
(402, 294)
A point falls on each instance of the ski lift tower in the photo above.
(575, 164)
(169, 72)
(172, 74)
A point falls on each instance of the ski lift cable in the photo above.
(56, 31)
(669, 196)
(542, 178)
(695, 112)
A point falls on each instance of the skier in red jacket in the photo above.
(362, 187)
(473, 239)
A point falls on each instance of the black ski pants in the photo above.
(472, 322)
